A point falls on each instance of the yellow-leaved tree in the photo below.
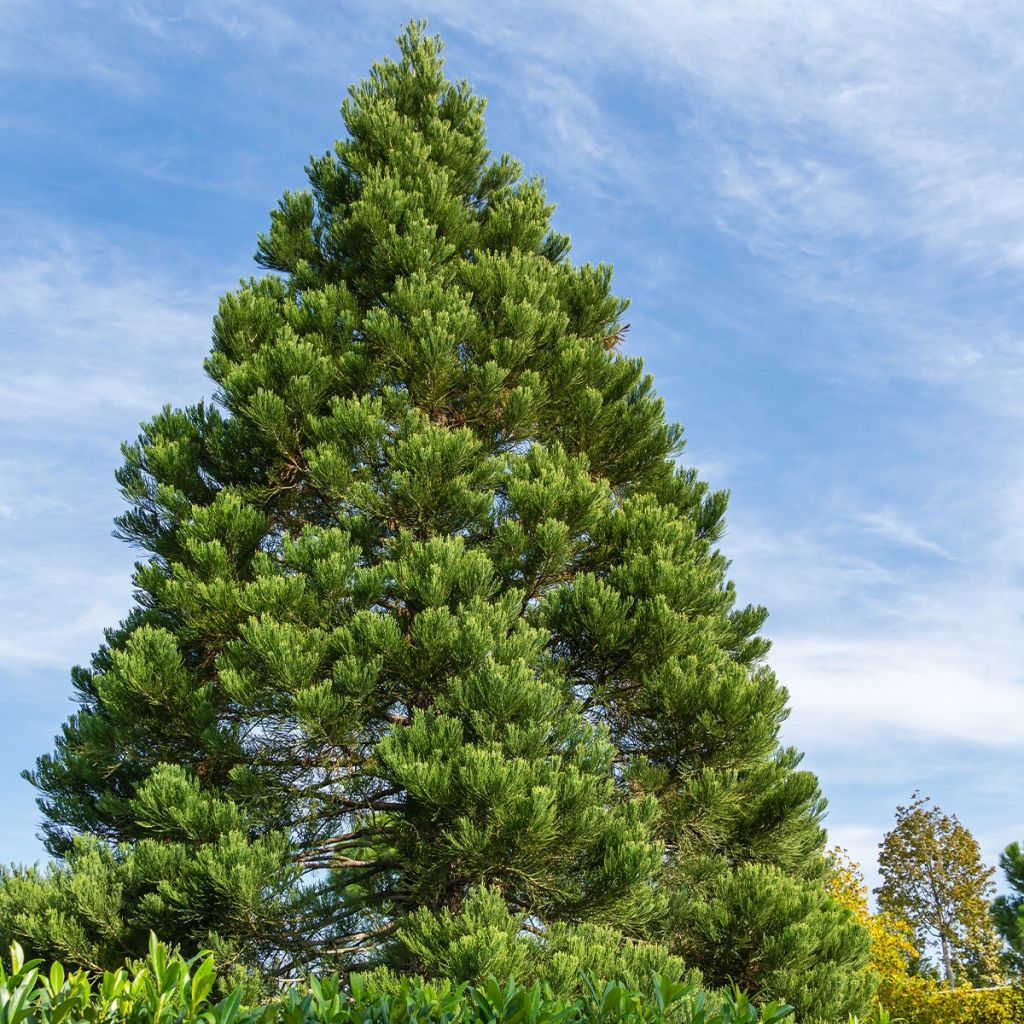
(934, 879)
(902, 994)
(893, 953)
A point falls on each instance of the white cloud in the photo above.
(92, 335)
(54, 614)
(924, 93)
(794, 569)
(96, 338)
(892, 526)
(71, 43)
(887, 647)
(861, 844)
(867, 154)
(851, 687)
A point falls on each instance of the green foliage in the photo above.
(435, 666)
(168, 989)
(486, 940)
(207, 880)
(933, 878)
(781, 937)
(905, 994)
(1008, 911)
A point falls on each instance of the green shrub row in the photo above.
(168, 989)
(961, 1006)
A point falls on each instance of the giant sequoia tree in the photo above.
(434, 661)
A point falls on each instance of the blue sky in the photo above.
(817, 209)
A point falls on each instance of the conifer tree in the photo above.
(434, 661)
(1008, 909)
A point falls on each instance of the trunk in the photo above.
(947, 961)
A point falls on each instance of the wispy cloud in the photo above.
(921, 93)
(821, 206)
(854, 688)
(86, 328)
(60, 42)
(876, 645)
(54, 615)
(866, 154)
(892, 526)
(95, 340)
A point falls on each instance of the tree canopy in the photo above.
(933, 878)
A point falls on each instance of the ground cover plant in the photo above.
(434, 664)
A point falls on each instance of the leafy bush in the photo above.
(904, 995)
(925, 1004)
(168, 989)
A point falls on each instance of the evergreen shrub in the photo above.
(168, 989)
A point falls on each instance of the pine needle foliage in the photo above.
(1008, 909)
(434, 664)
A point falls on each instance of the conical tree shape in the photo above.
(434, 652)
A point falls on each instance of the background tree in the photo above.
(1008, 910)
(933, 877)
(893, 954)
(435, 663)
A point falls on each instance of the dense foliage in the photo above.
(894, 957)
(905, 993)
(434, 663)
(1008, 910)
(933, 878)
(964, 1005)
(171, 990)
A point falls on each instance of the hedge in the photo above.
(168, 989)
(931, 1005)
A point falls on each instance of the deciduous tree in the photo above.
(893, 954)
(933, 877)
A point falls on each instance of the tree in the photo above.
(894, 958)
(1008, 911)
(933, 877)
(435, 663)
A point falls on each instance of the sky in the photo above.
(817, 210)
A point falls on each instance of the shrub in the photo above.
(168, 989)
(926, 1004)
